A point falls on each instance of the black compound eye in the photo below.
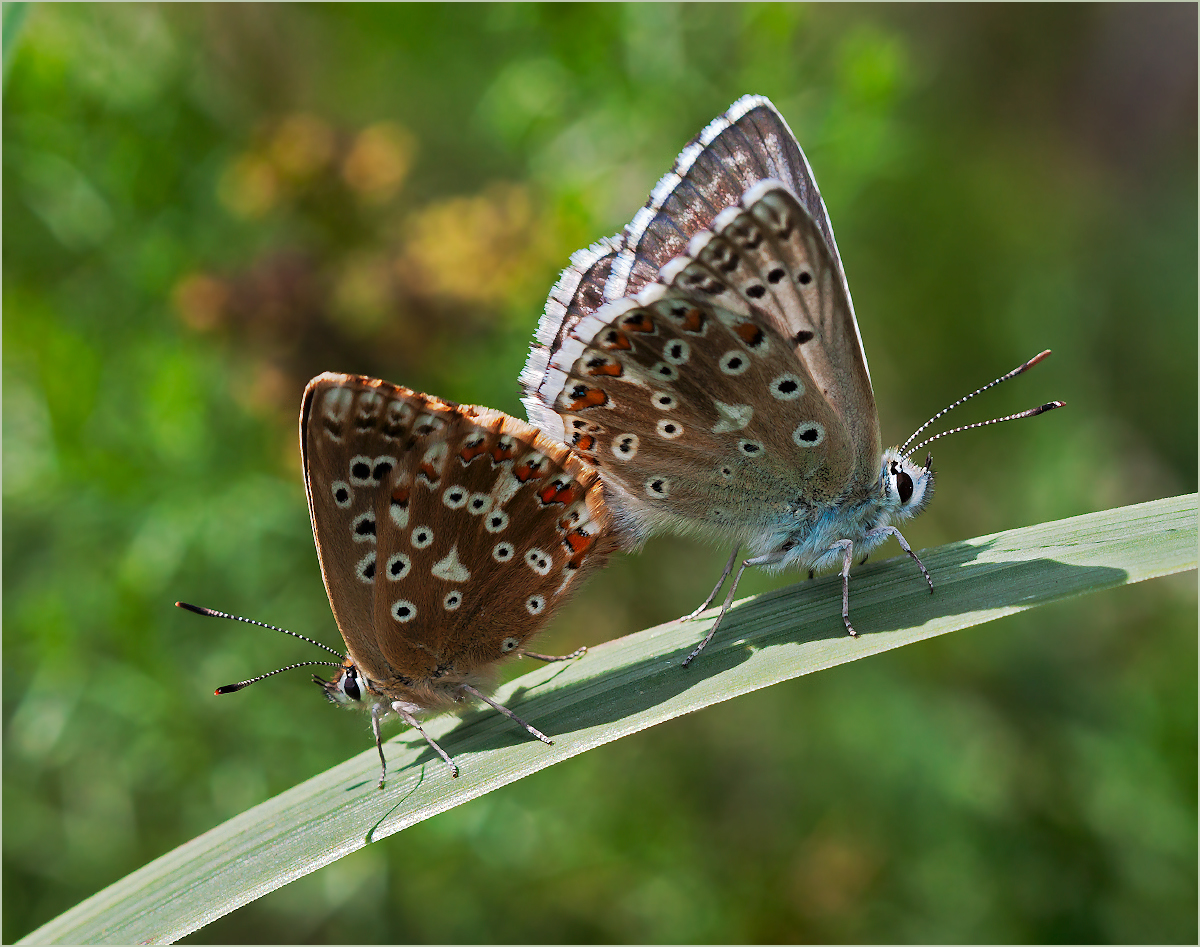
(904, 486)
(350, 685)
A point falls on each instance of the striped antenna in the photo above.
(231, 688)
(1032, 412)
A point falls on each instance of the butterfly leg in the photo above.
(847, 548)
(377, 711)
(414, 723)
(508, 713)
(760, 561)
(555, 657)
(892, 531)
(717, 588)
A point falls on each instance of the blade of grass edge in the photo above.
(619, 688)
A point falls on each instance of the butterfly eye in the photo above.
(904, 485)
(349, 684)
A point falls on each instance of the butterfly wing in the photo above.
(749, 144)
(727, 395)
(447, 534)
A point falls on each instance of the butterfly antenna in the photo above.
(231, 688)
(1020, 369)
(213, 613)
(1031, 413)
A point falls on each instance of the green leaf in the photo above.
(622, 687)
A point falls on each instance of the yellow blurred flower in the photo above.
(378, 162)
(301, 145)
(478, 249)
(249, 187)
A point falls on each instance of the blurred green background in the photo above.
(207, 205)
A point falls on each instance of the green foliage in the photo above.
(206, 205)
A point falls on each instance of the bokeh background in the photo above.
(206, 205)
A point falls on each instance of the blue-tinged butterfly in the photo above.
(708, 362)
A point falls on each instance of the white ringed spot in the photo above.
(362, 527)
(735, 362)
(398, 565)
(658, 487)
(452, 600)
(502, 552)
(535, 604)
(403, 611)
(750, 448)
(663, 401)
(669, 429)
(625, 447)
(496, 522)
(478, 503)
(663, 371)
(677, 352)
(786, 387)
(455, 497)
(342, 495)
(808, 434)
(538, 561)
(421, 537)
(365, 570)
(360, 471)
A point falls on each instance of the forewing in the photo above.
(749, 144)
(482, 528)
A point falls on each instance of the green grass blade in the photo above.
(620, 688)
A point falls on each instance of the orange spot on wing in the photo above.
(578, 544)
(613, 339)
(585, 442)
(400, 496)
(749, 333)
(638, 322)
(560, 492)
(612, 369)
(429, 473)
(469, 453)
(584, 397)
(692, 320)
(501, 452)
(530, 471)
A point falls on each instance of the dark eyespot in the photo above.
(804, 278)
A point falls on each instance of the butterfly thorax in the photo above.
(806, 539)
(427, 694)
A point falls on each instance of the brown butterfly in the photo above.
(447, 534)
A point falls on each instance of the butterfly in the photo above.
(447, 535)
(707, 361)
